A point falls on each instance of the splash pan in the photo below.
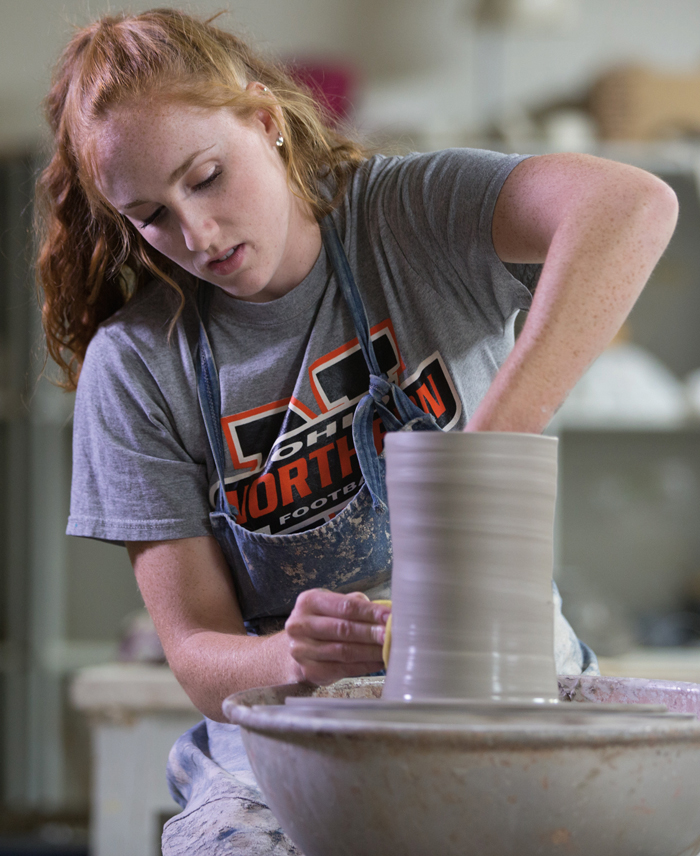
(386, 779)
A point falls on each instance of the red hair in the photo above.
(90, 258)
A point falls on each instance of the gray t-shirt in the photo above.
(441, 306)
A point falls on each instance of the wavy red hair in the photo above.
(90, 259)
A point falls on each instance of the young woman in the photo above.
(251, 301)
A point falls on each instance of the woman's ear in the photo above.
(269, 118)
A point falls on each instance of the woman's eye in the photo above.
(152, 219)
(208, 180)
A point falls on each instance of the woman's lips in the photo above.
(225, 266)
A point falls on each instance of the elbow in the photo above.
(207, 699)
(657, 209)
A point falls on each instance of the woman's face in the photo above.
(210, 192)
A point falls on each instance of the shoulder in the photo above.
(433, 168)
(148, 322)
(434, 197)
(142, 342)
(430, 189)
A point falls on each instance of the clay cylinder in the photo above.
(472, 525)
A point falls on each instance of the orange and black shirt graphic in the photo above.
(295, 467)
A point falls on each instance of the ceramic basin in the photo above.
(372, 778)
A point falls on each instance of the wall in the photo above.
(479, 71)
(425, 63)
(34, 32)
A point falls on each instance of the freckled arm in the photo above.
(600, 227)
(188, 590)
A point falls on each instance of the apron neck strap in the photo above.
(382, 392)
(350, 292)
(209, 392)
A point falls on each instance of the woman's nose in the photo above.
(198, 232)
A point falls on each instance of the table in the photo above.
(136, 712)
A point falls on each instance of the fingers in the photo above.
(325, 616)
(335, 652)
(325, 629)
(332, 636)
(349, 607)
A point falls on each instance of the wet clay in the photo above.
(472, 523)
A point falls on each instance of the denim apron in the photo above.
(352, 551)
(209, 775)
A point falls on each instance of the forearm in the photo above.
(599, 259)
(189, 592)
(328, 636)
(211, 665)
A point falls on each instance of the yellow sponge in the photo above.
(387, 638)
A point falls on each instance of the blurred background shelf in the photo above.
(666, 664)
(136, 712)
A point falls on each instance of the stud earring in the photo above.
(279, 142)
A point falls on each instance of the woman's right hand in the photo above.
(188, 589)
(333, 636)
